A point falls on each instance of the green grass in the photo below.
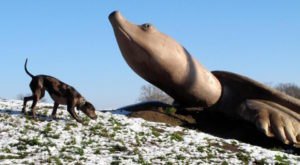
(73, 150)
(47, 129)
(260, 162)
(45, 112)
(117, 148)
(21, 145)
(200, 148)
(281, 160)
(6, 150)
(142, 161)
(115, 163)
(97, 151)
(224, 163)
(86, 120)
(244, 157)
(96, 128)
(56, 160)
(114, 121)
(69, 126)
(170, 110)
(102, 131)
(20, 155)
(72, 141)
(138, 142)
(155, 132)
(66, 157)
(180, 157)
(177, 136)
(3, 157)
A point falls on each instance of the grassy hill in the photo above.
(116, 139)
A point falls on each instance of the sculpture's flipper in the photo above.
(238, 88)
(273, 120)
(273, 112)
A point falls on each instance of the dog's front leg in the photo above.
(33, 108)
(73, 114)
(53, 115)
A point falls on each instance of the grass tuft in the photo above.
(177, 136)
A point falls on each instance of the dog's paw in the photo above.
(53, 117)
(79, 121)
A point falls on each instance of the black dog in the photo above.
(60, 92)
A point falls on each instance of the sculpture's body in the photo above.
(163, 62)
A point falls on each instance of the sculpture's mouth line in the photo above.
(121, 26)
(129, 41)
(123, 33)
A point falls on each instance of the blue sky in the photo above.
(73, 41)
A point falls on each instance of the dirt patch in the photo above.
(158, 115)
(212, 123)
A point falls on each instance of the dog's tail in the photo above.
(26, 70)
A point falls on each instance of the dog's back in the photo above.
(58, 88)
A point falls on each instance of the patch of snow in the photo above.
(115, 138)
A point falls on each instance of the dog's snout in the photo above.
(94, 117)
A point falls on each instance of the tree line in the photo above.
(152, 93)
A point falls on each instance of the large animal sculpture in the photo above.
(162, 61)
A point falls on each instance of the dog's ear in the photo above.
(82, 101)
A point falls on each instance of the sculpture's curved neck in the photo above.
(162, 61)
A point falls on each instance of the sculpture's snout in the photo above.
(114, 16)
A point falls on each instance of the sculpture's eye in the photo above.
(146, 26)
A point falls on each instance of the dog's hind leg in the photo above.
(25, 100)
(53, 115)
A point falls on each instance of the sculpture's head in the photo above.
(143, 45)
(163, 62)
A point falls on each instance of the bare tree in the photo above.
(289, 88)
(152, 93)
(20, 97)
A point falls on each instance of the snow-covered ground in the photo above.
(116, 139)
